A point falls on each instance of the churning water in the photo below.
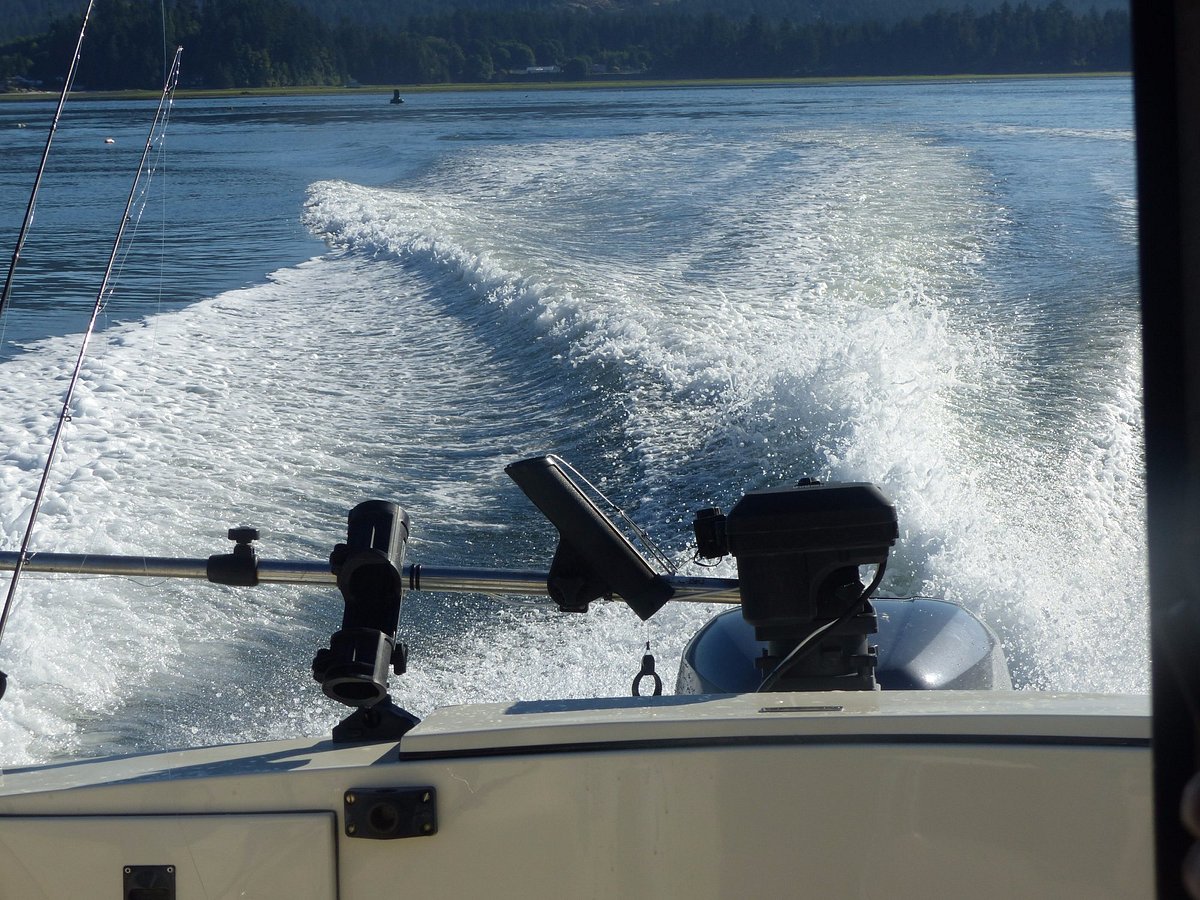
(687, 293)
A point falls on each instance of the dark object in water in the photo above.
(396, 98)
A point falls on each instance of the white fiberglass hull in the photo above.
(850, 794)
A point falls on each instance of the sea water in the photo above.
(688, 293)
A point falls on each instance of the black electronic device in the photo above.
(593, 559)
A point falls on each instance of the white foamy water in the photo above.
(686, 309)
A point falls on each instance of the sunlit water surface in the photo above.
(687, 293)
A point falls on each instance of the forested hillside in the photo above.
(265, 43)
(798, 12)
(25, 18)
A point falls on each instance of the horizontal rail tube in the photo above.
(495, 582)
(97, 564)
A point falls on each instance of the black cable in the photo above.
(809, 644)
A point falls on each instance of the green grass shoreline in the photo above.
(603, 84)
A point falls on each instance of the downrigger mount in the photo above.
(798, 552)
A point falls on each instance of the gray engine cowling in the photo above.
(924, 644)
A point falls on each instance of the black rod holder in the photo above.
(354, 668)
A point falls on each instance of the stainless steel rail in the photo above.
(495, 582)
(96, 564)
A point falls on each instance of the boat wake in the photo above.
(859, 330)
(834, 304)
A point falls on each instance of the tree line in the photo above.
(275, 43)
(25, 18)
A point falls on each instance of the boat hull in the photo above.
(938, 794)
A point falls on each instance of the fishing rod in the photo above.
(168, 92)
(37, 181)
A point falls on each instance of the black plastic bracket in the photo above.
(571, 583)
(148, 883)
(385, 721)
(239, 568)
(385, 814)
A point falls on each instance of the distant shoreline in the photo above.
(605, 84)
